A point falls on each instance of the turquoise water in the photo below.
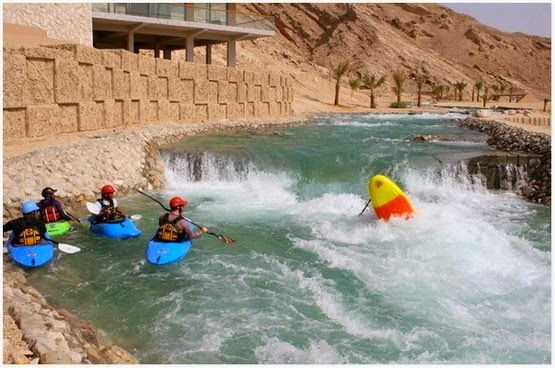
(467, 280)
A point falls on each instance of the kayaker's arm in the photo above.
(118, 210)
(190, 234)
(202, 230)
(8, 226)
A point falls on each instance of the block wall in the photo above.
(58, 89)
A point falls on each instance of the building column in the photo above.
(156, 50)
(190, 46)
(209, 54)
(131, 42)
(231, 53)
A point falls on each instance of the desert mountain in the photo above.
(383, 38)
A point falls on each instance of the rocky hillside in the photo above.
(380, 39)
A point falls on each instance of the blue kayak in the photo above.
(160, 252)
(31, 256)
(119, 229)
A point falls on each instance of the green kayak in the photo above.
(58, 228)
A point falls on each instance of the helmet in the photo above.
(28, 207)
(47, 191)
(107, 189)
(177, 201)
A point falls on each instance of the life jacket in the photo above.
(169, 232)
(107, 207)
(50, 213)
(30, 235)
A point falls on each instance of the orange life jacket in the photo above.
(168, 230)
(50, 214)
(29, 236)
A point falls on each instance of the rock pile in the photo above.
(34, 332)
(510, 139)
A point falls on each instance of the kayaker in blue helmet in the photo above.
(109, 209)
(173, 227)
(29, 229)
(51, 209)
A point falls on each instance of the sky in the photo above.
(532, 18)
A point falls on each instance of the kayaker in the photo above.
(51, 209)
(173, 227)
(29, 229)
(109, 209)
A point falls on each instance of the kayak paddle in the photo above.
(94, 208)
(66, 248)
(367, 203)
(76, 219)
(225, 239)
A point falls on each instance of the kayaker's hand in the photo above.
(204, 229)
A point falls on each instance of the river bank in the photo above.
(22, 301)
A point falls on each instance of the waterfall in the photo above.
(206, 166)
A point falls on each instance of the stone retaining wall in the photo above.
(56, 89)
(537, 181)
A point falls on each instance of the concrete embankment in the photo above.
(536, 183)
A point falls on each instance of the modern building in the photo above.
(159, 27)
(168, 27)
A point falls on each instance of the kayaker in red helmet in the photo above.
(173, 227)
(109, 209)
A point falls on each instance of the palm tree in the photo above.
(355, 85)
(479, 85)
(399, 79)
(460, 86)
(371, 82)
(338, 71)
(485, 97)
(420, 80)
(437, 91)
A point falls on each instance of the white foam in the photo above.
(275, 351)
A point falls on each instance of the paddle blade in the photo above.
(68, 248)
(93, 208)
(226, 239)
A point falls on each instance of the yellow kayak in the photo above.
(388, 199)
